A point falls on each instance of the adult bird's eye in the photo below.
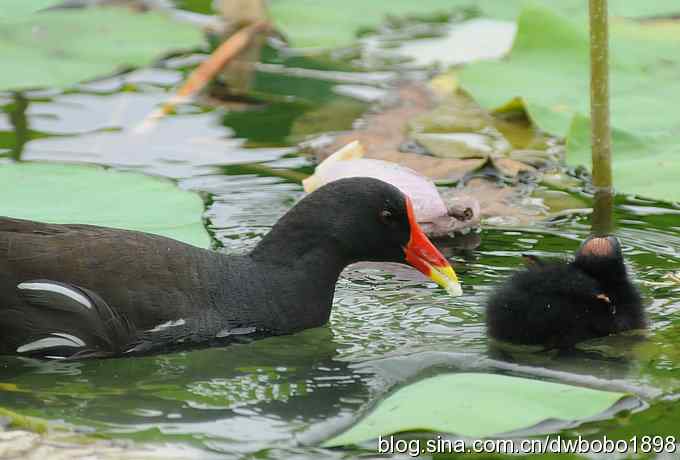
(385, 216)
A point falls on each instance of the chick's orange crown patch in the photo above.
(602, 247)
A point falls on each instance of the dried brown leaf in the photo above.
(511, 168)
(383, 132)
(500, 204)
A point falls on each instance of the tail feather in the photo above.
(67, 321)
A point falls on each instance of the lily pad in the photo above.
(59, 48)
(473, 40)
(58, 193)
(17, 8)
(458, 128)
(476, 405)
(317, 24)
(509, 9)
(644, 65)
(462, 145)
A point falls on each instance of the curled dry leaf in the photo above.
(436, 217)
(511, 168)
(383, 133)
(501, 205)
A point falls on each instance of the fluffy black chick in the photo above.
(559, 304)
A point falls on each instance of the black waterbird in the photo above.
(81, 291)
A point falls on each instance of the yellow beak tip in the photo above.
(446, 278)
(454, 289)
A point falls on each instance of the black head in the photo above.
(601, 258)
(355, 219)
(365, 219)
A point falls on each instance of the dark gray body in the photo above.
(149, 280)
(97, 292)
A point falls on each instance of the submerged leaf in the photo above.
(476, 405)
(58, 193)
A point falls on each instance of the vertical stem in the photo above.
(239, 73)
(602, 219)
(599, 95)
(17, 117)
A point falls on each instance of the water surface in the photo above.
(259, 398)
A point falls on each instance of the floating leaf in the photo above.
(462, 145)
(58, 193)
(476, 405)
(317, 24)
(59, 48)
(10, 9)
(383, 134)
(644, 64)
(474, 40)
(511, 168)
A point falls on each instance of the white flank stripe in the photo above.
(167, 324)
(57, 339)
(235, 331)
(76, 340)
(57, 289)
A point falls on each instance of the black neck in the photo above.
(300, 276)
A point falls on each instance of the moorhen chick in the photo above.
(558, 304)
(83, 291)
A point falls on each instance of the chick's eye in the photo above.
(385, 216)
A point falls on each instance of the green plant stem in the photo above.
(602, 220)
(17, 117)
(599, 95)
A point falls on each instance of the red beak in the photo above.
(425, 257)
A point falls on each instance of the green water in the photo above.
(263, 399)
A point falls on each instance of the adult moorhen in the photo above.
(84, 291)
(558, 304)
